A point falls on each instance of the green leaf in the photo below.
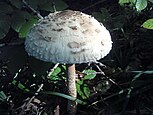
(34, 3)
(5, 8)
(141, 4)
(98, 16)
(26, 27)
(56, 71)
(18, 19)
(55, 79)
(4, 25)
(59, 5)
(89, 71)
(86, 91)
(105, 14)
(89, 77)
(64, 66)
(54, 75)
(148, 24)
(20, 86)
(83, 89)
(3, 97)
(16, 3)
(102, 16)
(90, 74)
(121, 2)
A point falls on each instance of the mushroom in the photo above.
(68, 37)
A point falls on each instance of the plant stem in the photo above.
(33, 10)
(72, 105)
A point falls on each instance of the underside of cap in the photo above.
(68, 37)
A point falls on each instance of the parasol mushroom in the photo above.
(68, 37)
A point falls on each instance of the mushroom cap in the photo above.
(68, 37)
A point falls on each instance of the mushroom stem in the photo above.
(72, 106)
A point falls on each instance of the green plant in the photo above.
(138, 4)
(148, 24)
(15, 15)
(3, 97)
(128, 67)
(82, 87)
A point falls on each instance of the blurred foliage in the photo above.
(15, 14)
(123, 87)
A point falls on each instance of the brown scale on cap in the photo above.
(49, 39)
(78, 52)
(40, 30)
(67, 14)
(97, 30)
(58, 30)
(75, 44)
(73, 27)
(61, 23)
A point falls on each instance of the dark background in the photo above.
(126, 88)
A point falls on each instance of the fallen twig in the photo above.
(30, 100)
(112, 81)
(33, 10)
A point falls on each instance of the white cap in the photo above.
(68, 37)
